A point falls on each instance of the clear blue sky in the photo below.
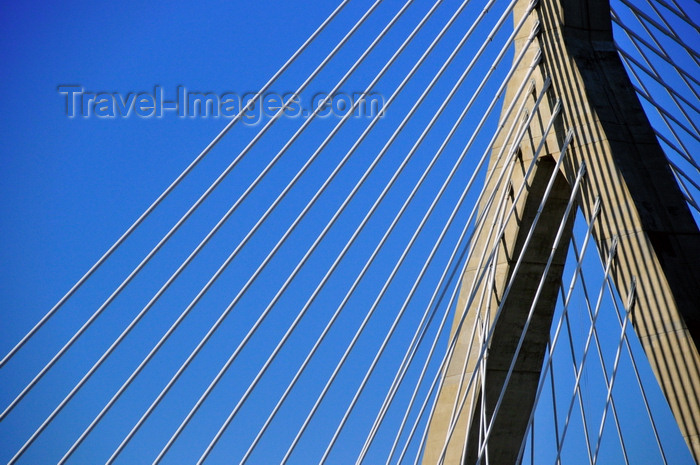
(71, 186)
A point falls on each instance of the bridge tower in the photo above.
(642, 216)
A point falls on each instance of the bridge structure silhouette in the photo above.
(498, 265)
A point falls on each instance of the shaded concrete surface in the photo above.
(659, 242)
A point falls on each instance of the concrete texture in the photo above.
(659, 242)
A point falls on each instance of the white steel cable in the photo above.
(629, 60)
(480, 263)
(160, 292)
(649, 413)
(657, 48)
(269, 256)
(445, 315)
(532, 445)
(546, 85)
(510, 166)
(662, 111)
(220, 271)
(603, 365)
(438, 242)
(286, 235)
(535, 300)
(656, 42)
(489, 287)
(429, 358)
(366, 267)
(328, 384)
(686, 193)
(608, 265)
(678, 10)
(625, 321)
(199, 247)
(179, 223)
(574, 364)
(170, 188)
(471, 240)
(439, 378)
(679, 175)
(555, 412)
(447, 356)
(636, 373)
(396, 320)
(321, 337)
(678, 7)
(665, 115)
(685, 154)
(669, 33)
(651, 71)
(345, 203)
(679, 14)
(481, 326)
(566, 301)
(416, 341)
(476, 282)
(514, 272)
(577, 387)
(495, 226)
(609, 396)
(659, 51)
(678, 170)
(478, 325)
(408, 358)
(268, 362)
(602, 362)
(666, 24)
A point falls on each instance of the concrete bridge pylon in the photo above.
(641, 209)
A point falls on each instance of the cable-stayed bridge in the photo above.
(500, 266)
